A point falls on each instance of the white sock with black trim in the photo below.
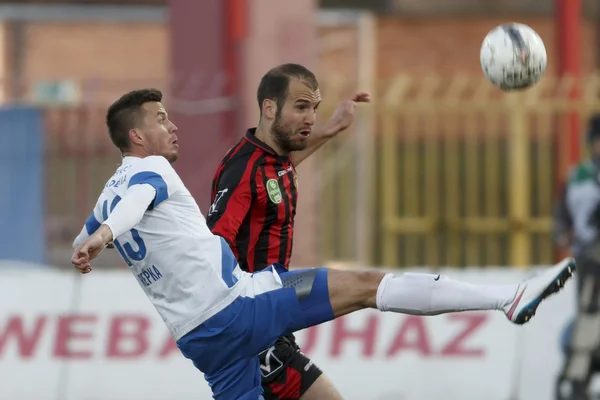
(429, 294)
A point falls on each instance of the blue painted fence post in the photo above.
(22, 185)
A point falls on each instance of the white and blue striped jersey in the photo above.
(187, 272)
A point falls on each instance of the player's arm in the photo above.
(84, 234)
(129, 211)
(231, 200)
(339, 121)
(154, 182)
(316, 140)
(126, 214)
(92, 223)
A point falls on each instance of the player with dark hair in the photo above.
(129, 111)
(220, 316)
(254, 198)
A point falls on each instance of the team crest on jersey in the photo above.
(296, 181)
(273, 191)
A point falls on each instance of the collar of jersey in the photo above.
(128, 159)
(251, 137)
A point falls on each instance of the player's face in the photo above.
(294, 121)
(159, 138)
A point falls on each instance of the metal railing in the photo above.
(463, 173)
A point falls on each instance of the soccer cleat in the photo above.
(532, 291)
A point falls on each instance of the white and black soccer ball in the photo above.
(513, 56)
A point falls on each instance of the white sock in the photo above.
(428, 294)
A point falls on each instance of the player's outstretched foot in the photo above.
(532, 291)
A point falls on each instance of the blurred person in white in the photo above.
(576, 228)
(220, 316)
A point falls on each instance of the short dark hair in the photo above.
(124, 114)
(274, 85)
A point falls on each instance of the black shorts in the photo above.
(286, 372)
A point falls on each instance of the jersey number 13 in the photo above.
(126, 249)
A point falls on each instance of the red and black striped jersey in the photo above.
(254, 194)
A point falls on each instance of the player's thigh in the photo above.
(347, 291)
(310, 297)
(285, 302)
(238, 380)
(241, 381)
(274, 307)
(322, 389)
(308, 302)
(218, 348)
(296, 375)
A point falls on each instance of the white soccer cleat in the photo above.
(532, 291)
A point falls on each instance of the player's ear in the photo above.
(269, 109)
(135, 137)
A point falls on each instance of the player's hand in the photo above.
(90, 248)
(343, 116)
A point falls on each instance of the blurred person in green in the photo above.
(577, 215)
(576, 230)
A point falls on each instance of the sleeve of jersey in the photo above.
(232, 200)
(92, 223)
(157, 172)
(130, 210)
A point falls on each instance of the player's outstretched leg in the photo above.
(431, 295)
(226, 346)
(421, 294)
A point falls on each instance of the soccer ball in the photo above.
(513, 56)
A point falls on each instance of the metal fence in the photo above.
(462, 174)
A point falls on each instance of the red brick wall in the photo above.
(452, 46)
(117, 56)
(125, 55)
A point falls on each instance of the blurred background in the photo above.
(441, 172)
